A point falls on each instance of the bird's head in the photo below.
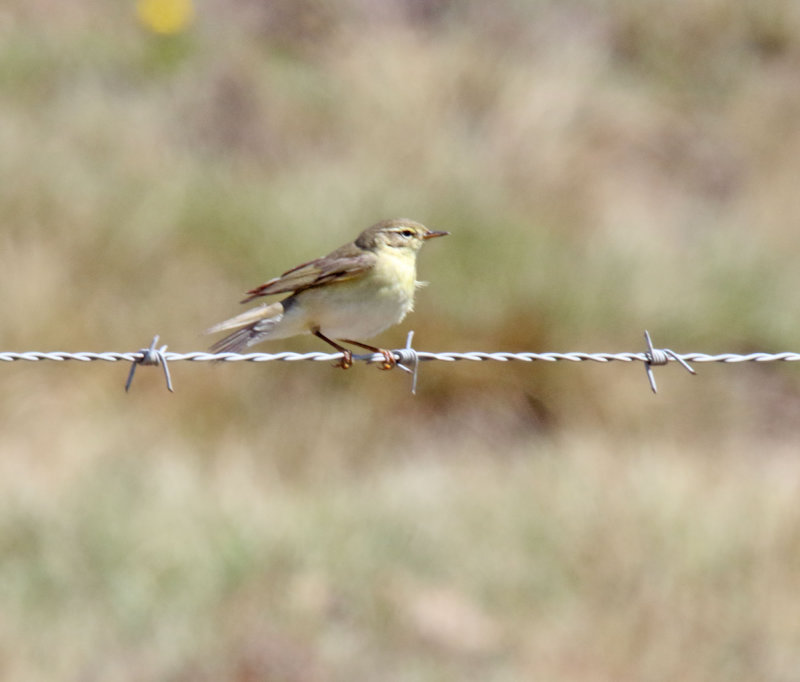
(398, 233)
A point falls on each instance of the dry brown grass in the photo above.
(603, 167)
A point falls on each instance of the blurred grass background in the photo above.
(604, 167)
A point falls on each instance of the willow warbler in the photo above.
(355, 292)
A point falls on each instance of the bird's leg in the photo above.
(347, 355)
(389, 361)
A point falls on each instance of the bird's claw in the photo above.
(389, 361)
(346, 362)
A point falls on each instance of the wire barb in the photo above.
(151, 356)
(408, 356)
(660, 356)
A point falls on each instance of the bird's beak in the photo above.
(434, 233)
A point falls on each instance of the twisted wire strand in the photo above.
(422, 356)
(408, 359)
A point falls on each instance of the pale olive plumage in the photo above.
(355, 292)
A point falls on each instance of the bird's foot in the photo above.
(347, 360)
(389, 361)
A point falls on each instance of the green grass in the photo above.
(573, 560)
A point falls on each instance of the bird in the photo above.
(353, 293)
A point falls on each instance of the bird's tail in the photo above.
(251, 327)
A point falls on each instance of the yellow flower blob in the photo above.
(165, 16)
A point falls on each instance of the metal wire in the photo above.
(408, 359)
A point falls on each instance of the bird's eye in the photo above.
(407, 233)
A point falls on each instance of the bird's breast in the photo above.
(364, 306)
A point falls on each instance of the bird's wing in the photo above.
(338, 266)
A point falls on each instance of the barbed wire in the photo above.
(408, 359)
